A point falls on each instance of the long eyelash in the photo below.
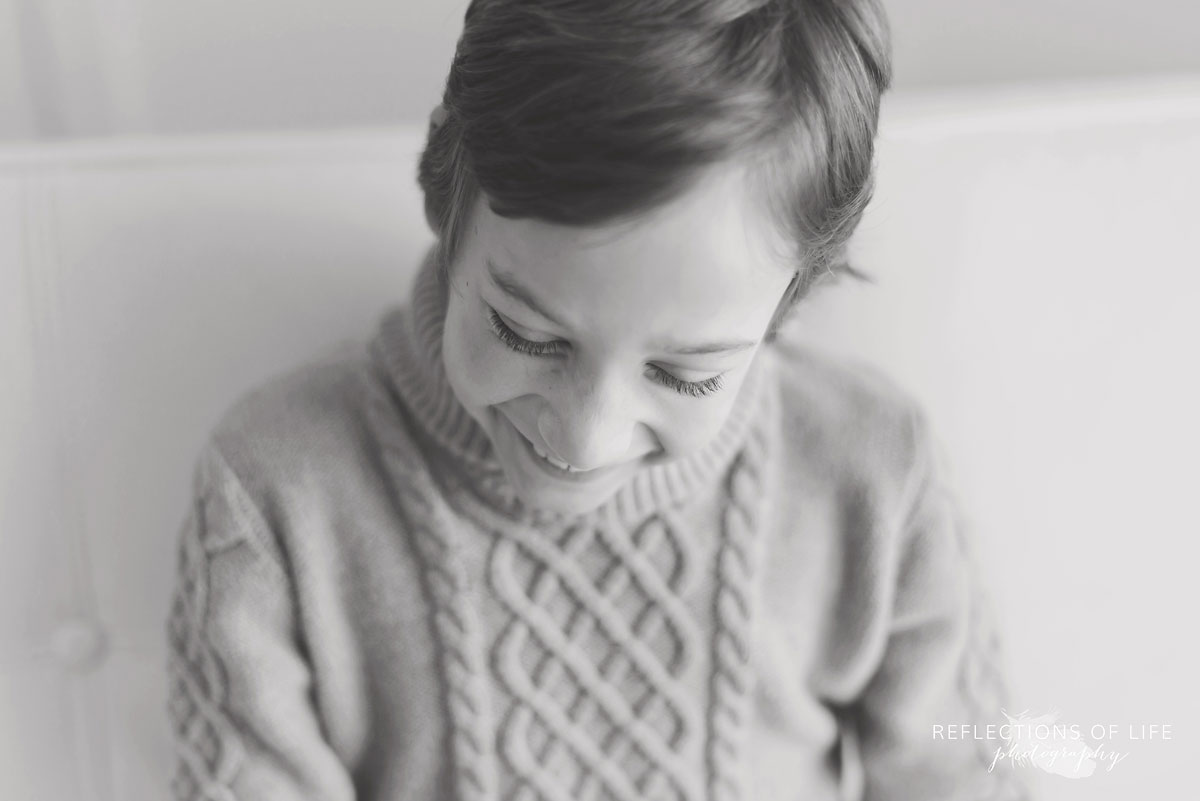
(517, 342)
(695, 389)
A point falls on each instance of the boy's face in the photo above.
(608, 349)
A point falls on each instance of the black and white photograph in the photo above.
(562, 400)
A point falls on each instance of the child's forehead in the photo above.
(701, 282)
(719, 211)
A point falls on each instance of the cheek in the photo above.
(693, 424)
(478, 366)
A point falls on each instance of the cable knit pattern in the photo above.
(732, 677)
(209, 746)
(454, 621)
(596, 642)
(580, 654)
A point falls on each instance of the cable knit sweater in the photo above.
(363, 609)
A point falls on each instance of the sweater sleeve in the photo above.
(942, 663)
(240, 688)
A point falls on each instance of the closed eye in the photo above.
(694, 389)
(520, 344)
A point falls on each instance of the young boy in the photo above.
(577, 524)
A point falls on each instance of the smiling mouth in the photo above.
(559, 463)
(564, 471)
(555, 467)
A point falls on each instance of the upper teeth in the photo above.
(561, 465)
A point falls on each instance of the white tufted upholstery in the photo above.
(1037, 287)
(144, 285)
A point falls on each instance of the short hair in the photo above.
(590, 113)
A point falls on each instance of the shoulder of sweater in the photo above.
(847, 418)
(304, 428)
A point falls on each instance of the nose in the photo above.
(590, 428)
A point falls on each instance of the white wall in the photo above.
(16, 110)
(943, 42)
(98, 67)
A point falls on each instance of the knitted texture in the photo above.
(456, 626)
(981, 678)
(593, 660)
(208, 745)
(732, 678)
(596, 643)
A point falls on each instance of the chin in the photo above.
(567, 501)
(541, 486)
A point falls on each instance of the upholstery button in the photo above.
(79, 645)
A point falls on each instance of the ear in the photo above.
(791, 295)
(437, 116)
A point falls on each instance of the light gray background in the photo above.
(98, 67)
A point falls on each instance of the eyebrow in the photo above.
(711, 347)
(509, 284)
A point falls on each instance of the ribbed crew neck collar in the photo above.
(408, 345)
